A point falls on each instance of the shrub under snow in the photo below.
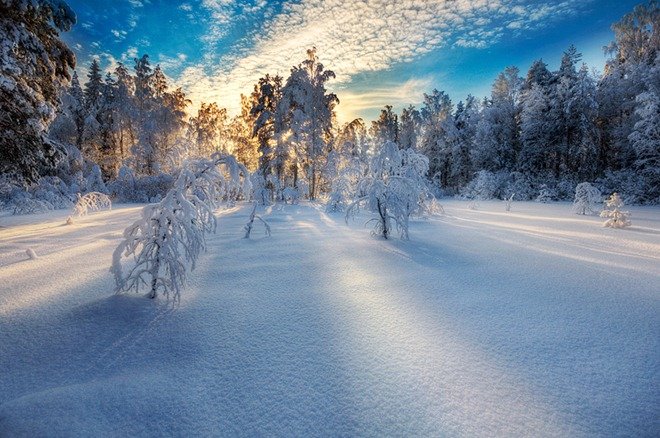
(586, 196)
(394, 188)
(612, 211)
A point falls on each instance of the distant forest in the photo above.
(128, 132)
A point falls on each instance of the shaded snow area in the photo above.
(533, 322)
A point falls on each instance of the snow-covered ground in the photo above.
(535, 322)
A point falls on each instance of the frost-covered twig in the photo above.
(166, 242)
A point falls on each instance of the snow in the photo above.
(533, 322)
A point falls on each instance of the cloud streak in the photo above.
(357, 37)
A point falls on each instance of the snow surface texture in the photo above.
(533, 322)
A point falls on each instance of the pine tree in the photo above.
(645, 140)
(466, 119)
(496, 138)
(35, 66)
(93, 86)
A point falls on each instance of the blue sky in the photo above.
(383, 51)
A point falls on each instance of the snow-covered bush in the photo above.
(129, 188)
(250, 223)
(53, 191)
(290, 195)
(522, 185)
(485, 185)
(343, 187)
(630, 185)
(93, 201)
(612, 211)
(394, 188)
(546, 194)
(94, 181)
(165, 243)
(586, 196)
(29, 205)
(260, 192)
(565, 189)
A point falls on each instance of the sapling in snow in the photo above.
(508, 202)
(586, 196)
(394, 188)
(250, 223)
(164, 244)
(616, 217)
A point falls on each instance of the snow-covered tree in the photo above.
(645, 140)
(535, 131)
(308, 111)
(344, 185)
(209, 129)
(409, 128)
(508, 201)
(265, 99)
(582, 111)
(68, 127)
(394, 188)
(496, 137)
(250, 224)
(34, 67)
(616, 217)
(386, 127)
(244, 145)
(438, 135)
(586, 197)
(466, 119)
(166, 242)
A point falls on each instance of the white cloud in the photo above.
(354, 37)
(353, 103)
(169, 63)
(119, 34)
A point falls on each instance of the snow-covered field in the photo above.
(535, 322)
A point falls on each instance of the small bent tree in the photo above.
(250, 223)
(394, 188)
(166, 242)
(616, 217)
(586, 196)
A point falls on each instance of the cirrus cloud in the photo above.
(356, 36)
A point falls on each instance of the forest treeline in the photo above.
(128, 131)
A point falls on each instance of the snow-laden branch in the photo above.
(92, 201)
(164, 244)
